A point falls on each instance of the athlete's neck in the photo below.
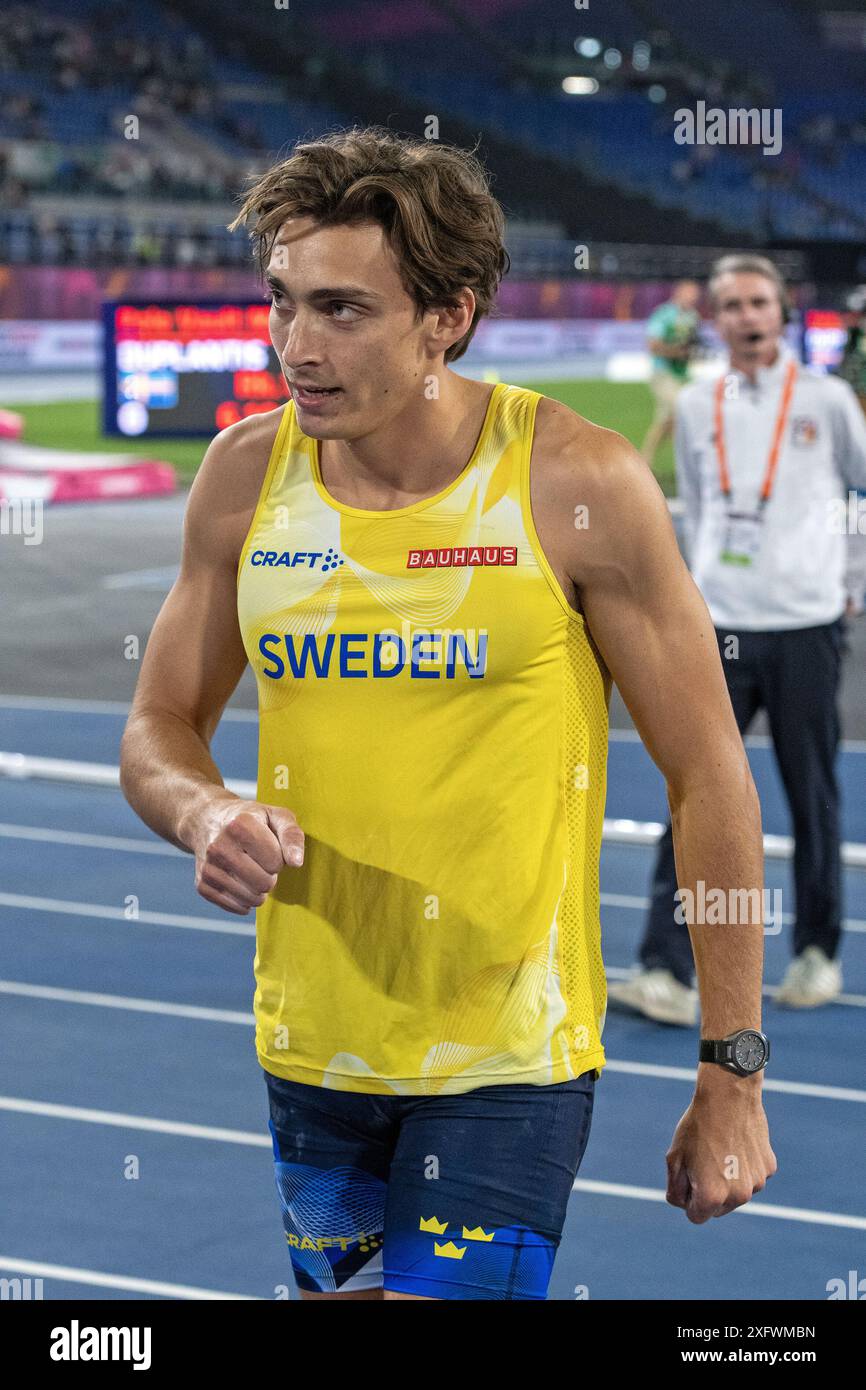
(749, 363)
(415, 455)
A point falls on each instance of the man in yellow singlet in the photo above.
(435, 581)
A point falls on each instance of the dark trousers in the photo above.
(794, 676)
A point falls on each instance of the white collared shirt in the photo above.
(797, 579)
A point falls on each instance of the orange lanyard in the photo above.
(775, 447)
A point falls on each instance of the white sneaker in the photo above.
(658, 994)
(811, 979)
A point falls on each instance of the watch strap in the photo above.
(714, 1050)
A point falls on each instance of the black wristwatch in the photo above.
(744, 1053)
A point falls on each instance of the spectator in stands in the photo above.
(672, 331)
(764, 455)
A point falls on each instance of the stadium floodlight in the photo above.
(579, 86)
(587, 48)
(656, 92)
(612, 58)
(640, 55)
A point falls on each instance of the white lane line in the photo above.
(71, 706)
(159, 1006)
(132, 845)
(250, 716)
(647, 1069)
(634, 902)
(138, 845)
(855, 1001)
(118, 914)
(24, 766)
(638, 904)
(847, 745)
(126, 1002)
(770, 1083)
(121, 1001)
(173, 919)
(753, 1208)
(116, 1281)
(19, 1106)
(262, 1141)
(648, 832)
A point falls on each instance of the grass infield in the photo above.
(623, 406)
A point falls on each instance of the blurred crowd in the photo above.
(67, 90)
(129, 169)
(68, 56)
(164, 77)
(40, 238)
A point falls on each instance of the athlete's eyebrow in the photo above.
(352, 292)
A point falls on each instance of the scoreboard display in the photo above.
(187, 369)
(824, 339)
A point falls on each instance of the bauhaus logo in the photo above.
(459, 557)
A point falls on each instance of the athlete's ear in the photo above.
(449, 323)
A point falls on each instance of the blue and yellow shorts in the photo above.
(453, 1196)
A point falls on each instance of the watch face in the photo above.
(750, 1051)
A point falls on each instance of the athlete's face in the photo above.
(748, 315)
(341, 319)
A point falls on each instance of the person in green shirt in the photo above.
(852, 368)
(672, 333)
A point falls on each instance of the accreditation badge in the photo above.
(742, 538)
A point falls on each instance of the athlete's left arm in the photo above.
(654, 633)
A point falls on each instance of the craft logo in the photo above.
(309, 559)
(364, 1242)
(460, 557)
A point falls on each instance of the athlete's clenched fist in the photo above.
(241, 849)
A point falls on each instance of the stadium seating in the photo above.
(68, 80)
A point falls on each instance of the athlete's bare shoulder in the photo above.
(566, 445)
(226, 488)
(589, 487)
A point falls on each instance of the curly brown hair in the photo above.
(433, 200)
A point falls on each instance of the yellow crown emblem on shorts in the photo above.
(477, 1234)
(435, 1227)
(449, 1251)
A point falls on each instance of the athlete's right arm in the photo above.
(193, 661)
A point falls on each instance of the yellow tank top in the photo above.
(432, 711)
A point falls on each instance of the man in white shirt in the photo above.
(765, 457)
